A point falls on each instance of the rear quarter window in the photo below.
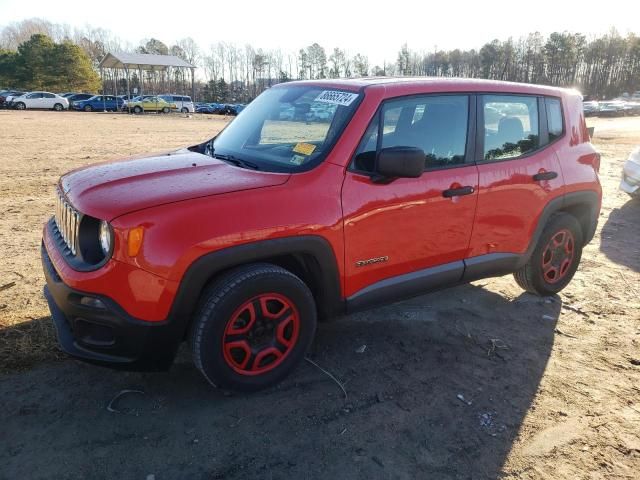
(555, 122)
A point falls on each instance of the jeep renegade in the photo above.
(320, 198)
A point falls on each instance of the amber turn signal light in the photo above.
(134, 241)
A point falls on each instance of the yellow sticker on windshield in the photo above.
(304, 148)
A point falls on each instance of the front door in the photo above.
(411, 225)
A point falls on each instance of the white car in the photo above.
(184, 103)
(45, 100)
(631, 174)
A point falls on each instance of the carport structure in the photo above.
(144, 62)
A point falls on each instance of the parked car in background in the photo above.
(99, 103)
(183, 103)
(630, 182)
(151, 104)
(232, 108)
(613, 108)
(76, 97)
(137, 98)
(210, 108)
(6, 94)
(632, 108)
(590, 108)
(39, 100)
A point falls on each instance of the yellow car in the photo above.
(151, 104)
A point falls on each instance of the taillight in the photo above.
(596, 162)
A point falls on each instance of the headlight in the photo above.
(106, 237)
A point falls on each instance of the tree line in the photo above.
(600, 67)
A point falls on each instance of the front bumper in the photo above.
(627, 186)
(106, 336)
(630, 182)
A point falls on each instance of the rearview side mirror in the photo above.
(400, 162)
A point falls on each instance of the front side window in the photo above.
(554, 118)
(435, 124)
(510, 126)
(287, 128)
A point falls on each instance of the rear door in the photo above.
(48, 100)
(409, 225)
(519, 173)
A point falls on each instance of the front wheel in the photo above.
(88, 108)
(21, 106)
(137, 110)
(555, 258)
(253, 327)
(185, 110)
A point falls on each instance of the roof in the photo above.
(144, 61)
(409, 85)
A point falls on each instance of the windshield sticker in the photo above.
(336, 98)
(298, 159)
(304, 148)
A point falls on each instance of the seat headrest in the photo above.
(510, 130)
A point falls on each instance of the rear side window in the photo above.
(48, 95)
(510, 126)
(435, 124)
(554, 118)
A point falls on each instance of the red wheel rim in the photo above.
(260, 334)
(557, 256)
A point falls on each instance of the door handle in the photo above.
(456, 192)
(544, 176)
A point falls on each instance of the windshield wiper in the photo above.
(236, 161)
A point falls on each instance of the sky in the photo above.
(375, 28)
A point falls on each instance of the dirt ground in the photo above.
(480, 381)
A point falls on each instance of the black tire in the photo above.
(532, 276)
(166, 110)
(88, 108)
(218, 313)
(185, 110)
(21, 106)
(58, 107)
(137, 109)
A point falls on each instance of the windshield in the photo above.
(286, 129)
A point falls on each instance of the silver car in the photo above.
(631, 174)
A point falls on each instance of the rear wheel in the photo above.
(166, 110)
(137, 109)
(253, 327)
(555, 258)
(58, 107)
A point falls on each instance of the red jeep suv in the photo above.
(320, 198)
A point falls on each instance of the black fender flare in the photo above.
(589, 198)
(326, 276)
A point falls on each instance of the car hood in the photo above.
(108, 190)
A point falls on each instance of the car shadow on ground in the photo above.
(436, 387)
(620, 236)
